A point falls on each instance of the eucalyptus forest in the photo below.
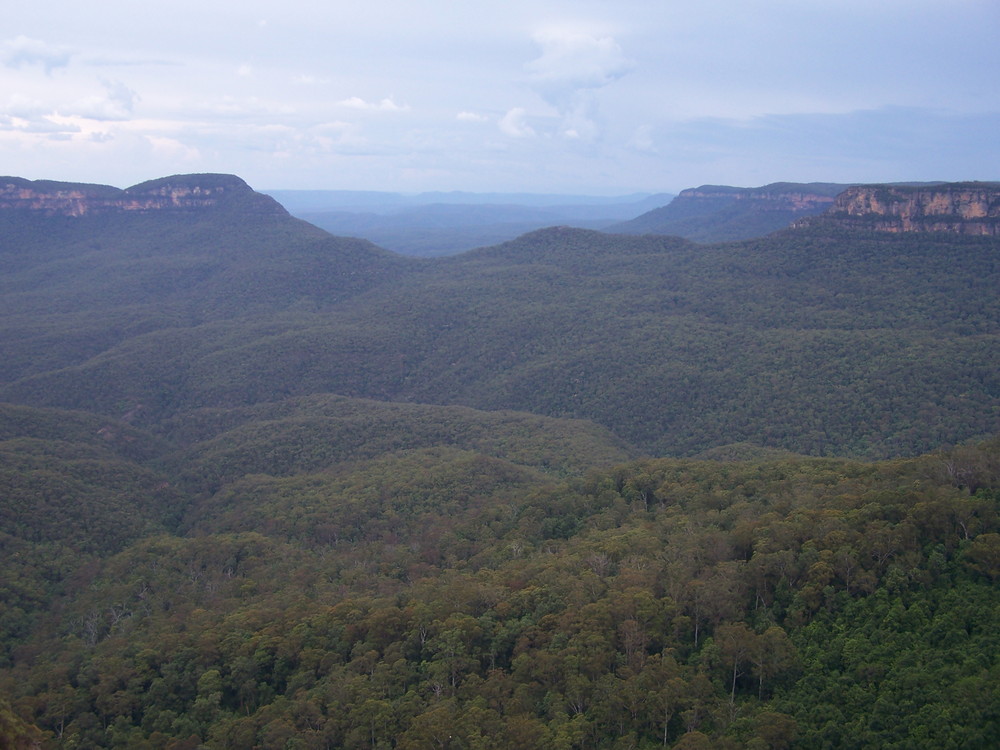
(266, 487)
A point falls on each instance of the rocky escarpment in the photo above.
(971, 208)
(715, 213)
(177, 193)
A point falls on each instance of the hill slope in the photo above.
(806, 340)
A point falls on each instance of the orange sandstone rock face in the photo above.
(960, 208)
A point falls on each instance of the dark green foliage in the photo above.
(811, 341)
(229, 544)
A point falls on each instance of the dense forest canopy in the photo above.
(265, 487)
(817, 340)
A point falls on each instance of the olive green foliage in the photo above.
(442, 598)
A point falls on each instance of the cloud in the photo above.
(471, 117)
(573, 62)
(642, 139)
(116, 105)
(572, 67)
(515, 124)
(172, 149)
(35, 124)
(304, 79)
(23, 51)
(19, 105)
(336, 135)
(386, 105)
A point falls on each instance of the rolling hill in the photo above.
(818, 339)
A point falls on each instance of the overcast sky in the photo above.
(582, 96)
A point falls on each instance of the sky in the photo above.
(602, 97)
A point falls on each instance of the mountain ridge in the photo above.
(184, 192)
(721, 213)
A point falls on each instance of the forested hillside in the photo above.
(263, 487)
(439, 596)
(818, 340)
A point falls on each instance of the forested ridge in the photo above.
(264, 487)
(817, 341)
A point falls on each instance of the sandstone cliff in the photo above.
(959, 208)
(177, 193)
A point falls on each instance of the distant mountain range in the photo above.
(433, 224)
(428, 224)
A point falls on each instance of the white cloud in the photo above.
(471, 117)
(331, 136)
(23, 51)
(245, 70)
(116, 105)
(35, 124)
(642, 139)
(572, 62)
(572, 67)
(19, 105)
(172, 149)
(386, 105)
(515, 124)
(308, 80)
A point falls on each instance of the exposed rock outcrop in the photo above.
(177, 193)
(959, 208)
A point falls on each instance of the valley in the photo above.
(266, 486)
